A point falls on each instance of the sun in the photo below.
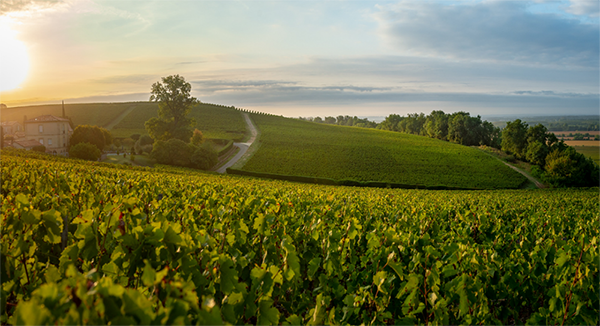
(14, 60)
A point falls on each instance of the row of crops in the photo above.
(86, 243)
(299, 148)
(213, 120)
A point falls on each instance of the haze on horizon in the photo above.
(309, 58)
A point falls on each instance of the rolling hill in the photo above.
(300, 148)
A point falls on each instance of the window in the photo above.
(41, 128)
(42, 141)
(49, 141)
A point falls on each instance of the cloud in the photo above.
(492, 31)
(9, 6)
(584, 7)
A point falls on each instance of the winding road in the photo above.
(242, 146)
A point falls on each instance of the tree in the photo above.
(204, 157)
(197, 137)
(567, 168)
(141, 144)
(174, 104)
(91, 134)
(514, 138)
(436, 125)
(86, 151)
(39, 148)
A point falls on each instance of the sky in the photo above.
(309, 58)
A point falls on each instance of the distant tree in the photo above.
(127, 143)
(537, 145)
(436, 125)
(514, 138)
(330, 120)
(135, 136)
(174, 104)
(117, 143)
(86, 151)
(142, 142)
(108, 139)
(197, 137)
(318, 120)
(390, 123)
(39, 148)
(90, 134)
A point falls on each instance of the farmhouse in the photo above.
(11, 127)
(50, 131)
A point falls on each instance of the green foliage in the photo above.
(99, 244)
(197, 137)
(568, 168)
(514, 138)
(174, 105)
(178, 153)
(85, 151)
(39, 148)
(143, 144)
(94, 135)
(204, 157)
(299, 148)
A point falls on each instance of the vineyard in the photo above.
(98, 114)
(300, 148)
(91, 243)
(214, 121)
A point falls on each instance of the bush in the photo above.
(85, 151)
(172, 152)
(147, 148)
(510, 159)
(39, 148)
(567, 168)
(94, 135)
(204, 157)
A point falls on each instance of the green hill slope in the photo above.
(294, 147)
(98, 114)
(215, 121)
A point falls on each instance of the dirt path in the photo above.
(532, 179)
(118, 119)
(242, 146)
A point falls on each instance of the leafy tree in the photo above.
(330, 120)
(318, 120)
(86, 151)
(514, 138)
(536, 153)
(197, 137)
(390, 123)
(142, 144)
(436, 125)
(135, 136)
(174, 104)
(91, 134)
(567, 168)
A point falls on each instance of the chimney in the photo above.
(63, 107)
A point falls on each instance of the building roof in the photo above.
(46, 118)
(10, 123)
(27, 143)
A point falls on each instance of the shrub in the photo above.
(85, 151)
(204, 157)
(172, 152)
(39, 148)
(94, 135)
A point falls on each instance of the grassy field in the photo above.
(214, 121)
(294, 147)
(99, 114)
(590, 151)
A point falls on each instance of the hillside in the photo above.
(301, 148)
(173, 246)
(125, 119)
(98, 114)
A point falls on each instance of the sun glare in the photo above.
(14, 60)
